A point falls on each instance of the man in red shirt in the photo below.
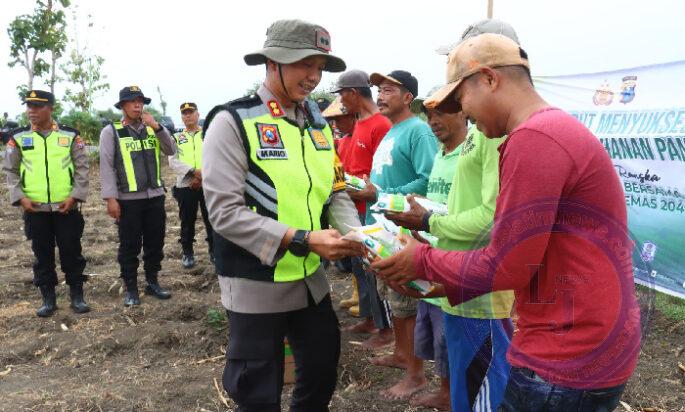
(354, 89)
(559, 240)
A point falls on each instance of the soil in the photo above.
(165, 355)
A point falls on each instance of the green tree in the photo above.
(253, 89)
(84, 71)
(88, 124)
(37, 37)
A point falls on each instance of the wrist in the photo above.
(299, 243)
(425, 221)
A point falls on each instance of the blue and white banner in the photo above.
(639, 116)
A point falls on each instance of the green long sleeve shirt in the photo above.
(471, 204)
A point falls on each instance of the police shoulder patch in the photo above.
(319, 139)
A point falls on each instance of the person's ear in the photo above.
(490, 78)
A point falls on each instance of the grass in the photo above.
(216, 318)
(671, 306)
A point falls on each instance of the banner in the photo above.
(639, 116)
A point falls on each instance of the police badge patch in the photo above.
(63, 141)
(319, 139)
(270, 143)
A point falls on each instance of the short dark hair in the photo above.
(364, 92)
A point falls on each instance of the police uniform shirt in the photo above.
(108, 175)
(184, 177)
(224, 193)
(79, 158)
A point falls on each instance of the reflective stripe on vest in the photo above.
(137, 160)
(46, 170)
(189, 148)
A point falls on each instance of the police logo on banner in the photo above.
(270, 143)
(603, 95)
(628, 89)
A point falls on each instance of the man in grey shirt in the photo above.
(130, 170)
(270, 174)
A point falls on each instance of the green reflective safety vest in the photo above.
(189, 148)
(136, 160)
(46, 169)
(290, 178)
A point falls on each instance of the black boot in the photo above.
(78, 304)
(153, 288)
(132, 297)
(49, 302)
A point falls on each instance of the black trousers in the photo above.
(142, 224)
(44, 230)
(253, 376)
(188, 202)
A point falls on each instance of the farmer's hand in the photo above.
(412, 219)
(398, 268)
(368, 193)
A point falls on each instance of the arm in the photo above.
(108, 178)
(470, 224)
(166, 143)
(341, 212)
(224, 166)
(422, 154)
(529, 181)
(11, 167)
(181, 168)
(79, 157)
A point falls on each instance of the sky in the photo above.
(193, 51)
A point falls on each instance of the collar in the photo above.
(53, 127)
(295, 113)
(135, 125)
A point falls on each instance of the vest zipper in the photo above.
(47, 174)
(309, 191)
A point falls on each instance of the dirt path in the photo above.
(165, 356)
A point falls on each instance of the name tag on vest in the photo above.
(270, 143)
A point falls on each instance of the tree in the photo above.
(85, 72)
(162, 102)
(32, 36)
(253, 89)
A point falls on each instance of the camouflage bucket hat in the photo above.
(289, 41)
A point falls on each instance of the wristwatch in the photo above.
(299, 244)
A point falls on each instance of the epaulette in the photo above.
(244, 102)
(69, 129)
(19, 130)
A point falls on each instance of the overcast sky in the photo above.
(194, 50)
